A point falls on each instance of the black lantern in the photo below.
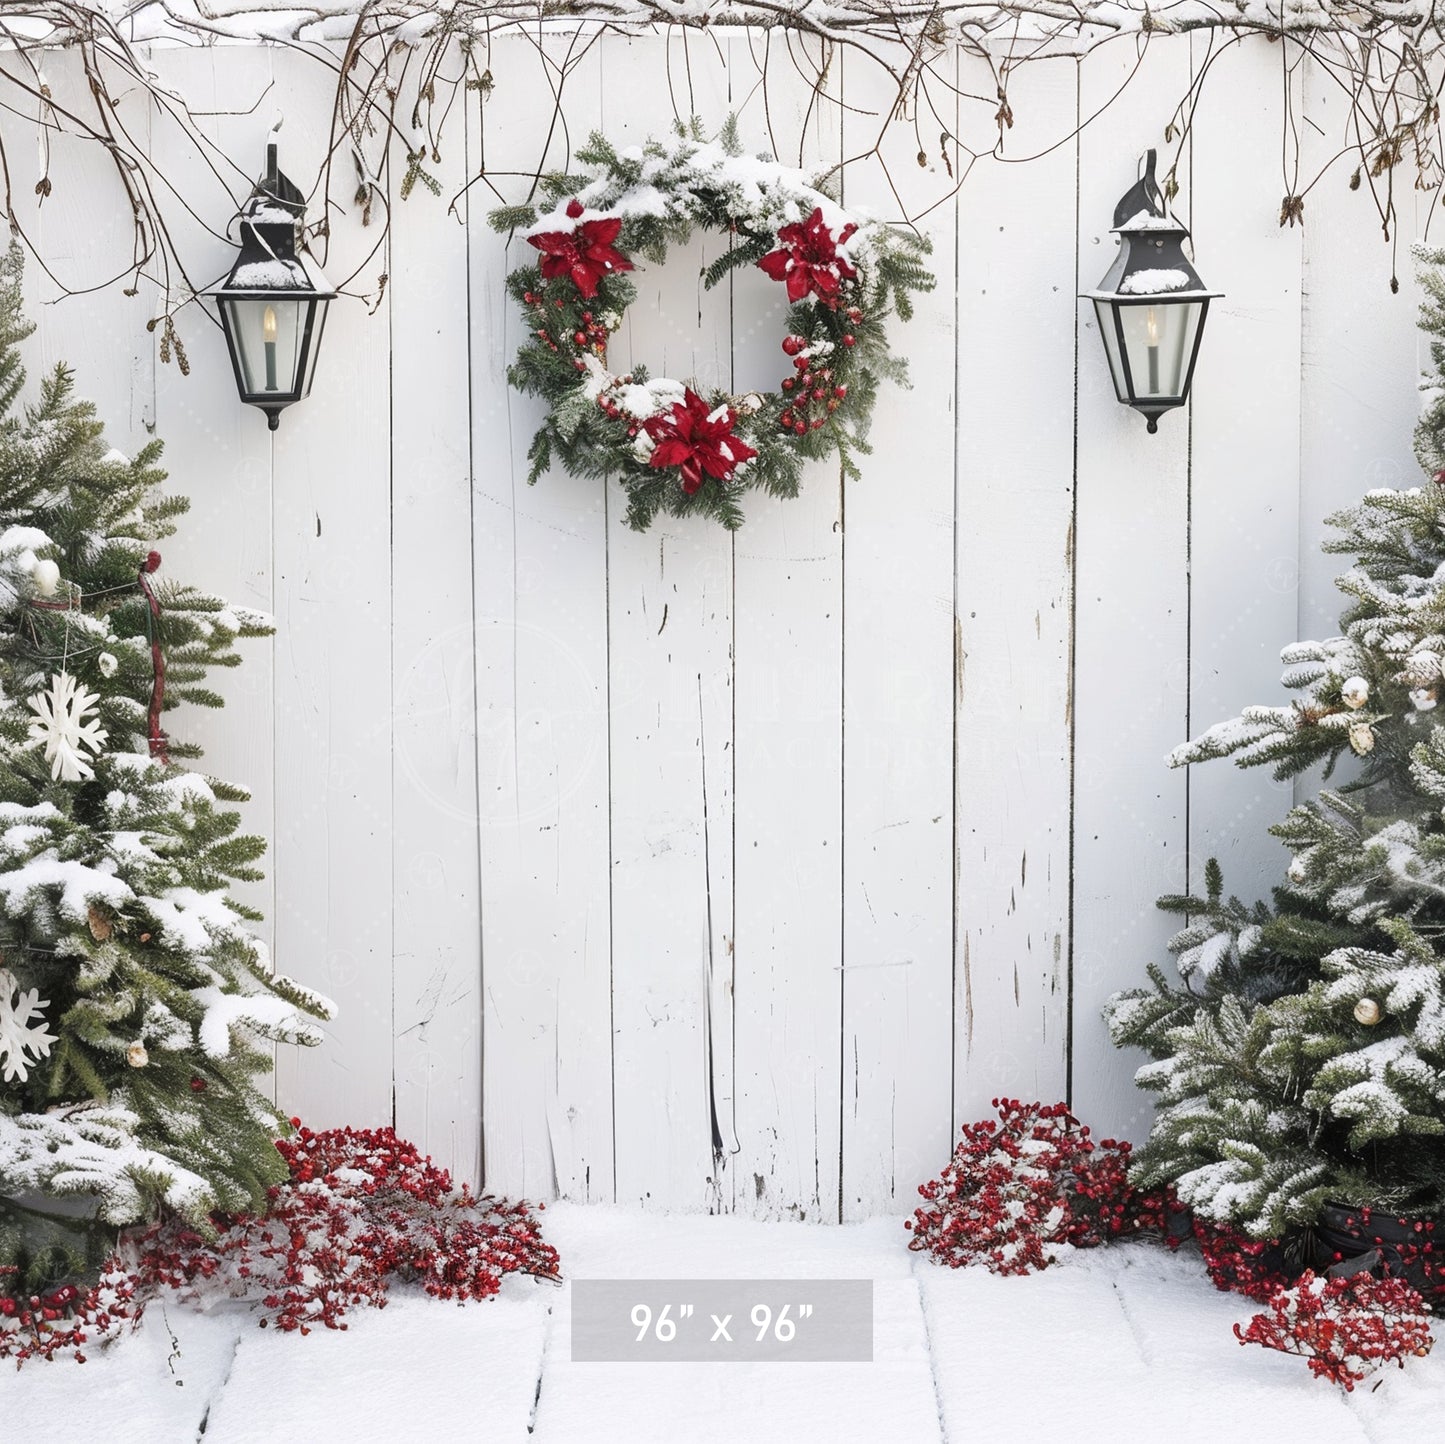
(1151, 304)
(273, 304)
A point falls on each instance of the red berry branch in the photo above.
(1345, 1328)
(360, 1209)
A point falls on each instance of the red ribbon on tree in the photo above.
(158, 660)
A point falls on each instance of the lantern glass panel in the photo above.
(1159, 341)
(316, 325)
(1109, 330)
(269, 336)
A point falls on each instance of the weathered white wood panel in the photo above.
(1131, 642)
(1358, 357)
(897, 707)
(436, 924)
(1244, 517)
(332, 559)
(670, 621)
(710, 872)
(542, 679)
(219, 453)
(789, 690)
(1011, 671)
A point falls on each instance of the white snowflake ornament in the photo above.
(24, 1038)
(61, 725)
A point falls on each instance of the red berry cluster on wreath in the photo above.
(812, 396)
(1017, 1190)
(1345, 1328)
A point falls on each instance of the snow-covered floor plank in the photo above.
(416, 1370)
(891, 1399)
(1129, 1342)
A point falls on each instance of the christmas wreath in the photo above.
(677, 446)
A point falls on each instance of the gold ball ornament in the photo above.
(137, 1056)
(1354, 692)
(1424, 698)
(1362, 738)
(1368, 1012)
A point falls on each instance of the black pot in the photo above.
(1355, 1240)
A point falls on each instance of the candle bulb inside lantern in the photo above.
(268, 333)
(1151, 326)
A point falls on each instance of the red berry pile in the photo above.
(1018, 1189)
(361, 1208)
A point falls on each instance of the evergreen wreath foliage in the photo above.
(675, 446)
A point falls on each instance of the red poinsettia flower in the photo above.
(585, 253)
(698, 440)
(808, 260)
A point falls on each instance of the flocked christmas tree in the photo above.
(1302, 1061)
(134, 996)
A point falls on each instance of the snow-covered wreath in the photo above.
(677, 446)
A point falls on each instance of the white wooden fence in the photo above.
(735, 872)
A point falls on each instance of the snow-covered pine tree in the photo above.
(134, 997)
(1302, 1060)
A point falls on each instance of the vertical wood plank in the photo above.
(1016, 375)
(84, 233)
(670, 618)
(788, 633)
(218, 452)
(332, 542)
(437, 1000)
(542, 727)
(898, 700)
(1361, 352)
(1132, 595)
(1244, 481)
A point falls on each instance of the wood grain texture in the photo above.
(540, 559)
(219, 453)
(1131, 643)
(789, 736)
(437, 936)
(670, 621)
(1244, 464)
(333, 703)
(898, 702)
(1011, 668)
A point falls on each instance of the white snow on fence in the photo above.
(712, 872)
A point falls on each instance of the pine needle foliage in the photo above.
(1299, 1057)
(158, 999)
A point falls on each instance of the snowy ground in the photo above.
(1124, 1343)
